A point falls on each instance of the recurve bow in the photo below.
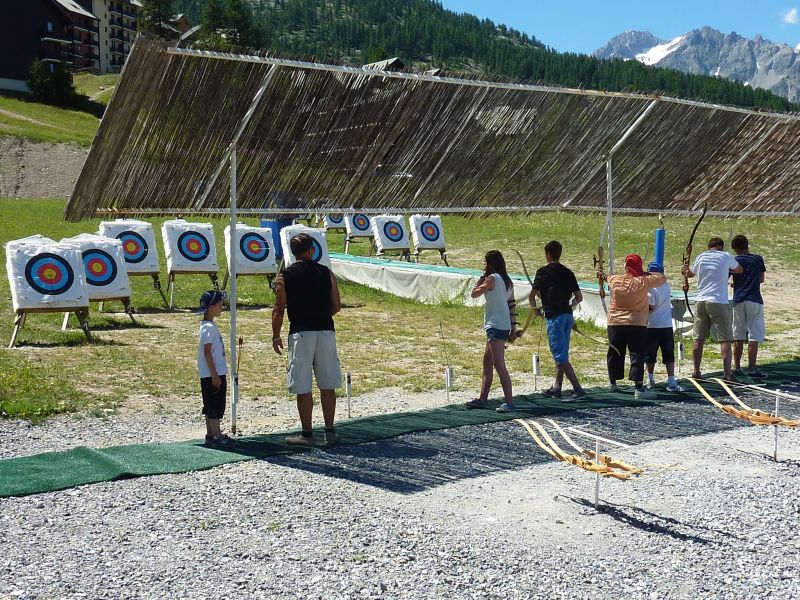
(687, 259)
(533, 307)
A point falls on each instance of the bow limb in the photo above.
(687, 259)
(533, 307)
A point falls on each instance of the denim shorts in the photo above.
(497, 334)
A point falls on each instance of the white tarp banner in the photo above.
(44, 275)
(358, 225)
(253, 250)
(321, 254)
(189, 247)
(104, 266)
(138, 244)
(390, 233)
(427, 232)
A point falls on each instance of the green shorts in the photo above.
(717, 314)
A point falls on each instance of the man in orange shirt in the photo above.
(627, 322)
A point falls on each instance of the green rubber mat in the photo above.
(61, 470)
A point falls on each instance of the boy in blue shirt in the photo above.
(748, 307)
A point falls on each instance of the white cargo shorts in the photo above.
(748, 321)
(313, 351)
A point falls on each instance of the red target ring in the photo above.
(393, 231)
(49, 274)
(361, 222)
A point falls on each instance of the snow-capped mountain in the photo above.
(757, 62)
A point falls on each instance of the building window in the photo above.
(52, 68)
(49, 27)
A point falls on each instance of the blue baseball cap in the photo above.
(209, 298)
(654, 267)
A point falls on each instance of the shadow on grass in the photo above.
(114, 325)
(70, 343)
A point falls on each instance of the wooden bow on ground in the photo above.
(687, 259)
(744, 412)
(605, 466)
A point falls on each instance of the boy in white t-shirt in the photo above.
(660, 334)
(212, 368)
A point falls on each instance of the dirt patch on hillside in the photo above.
(38, 170)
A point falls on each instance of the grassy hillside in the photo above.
(55, 371)
(43, 123)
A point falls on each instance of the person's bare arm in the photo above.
(277, 313)
(737, 270)
(483, 285)
(336, 299)
(578, 297)
(761, 279)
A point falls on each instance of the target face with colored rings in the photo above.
(254, 247)
(134, 247)
(99, 266)
(193, 246)
(49, 274)
(393, 231)
(317, 255)
(430, 231)
(361, 222)
(336, 219)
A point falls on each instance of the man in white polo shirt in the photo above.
(713, 268)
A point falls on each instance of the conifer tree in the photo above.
(155, 15)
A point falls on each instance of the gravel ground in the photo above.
(474, 512)
(38, 170)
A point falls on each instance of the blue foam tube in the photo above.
(661, 239)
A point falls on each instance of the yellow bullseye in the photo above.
(49, 274)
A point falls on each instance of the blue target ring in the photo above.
(254, 247)
(335, 219)
(317, 255)
(49, 274)
(193, 246)
(100, 267)
(361, 222)
(393, 231)
(430, 231)
(134, 246)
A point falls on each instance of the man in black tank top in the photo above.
(308, 291)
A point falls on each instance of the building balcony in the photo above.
(57, 38)
(116, 35)
(130, 26)
(86, 27)
(115, 9)
(129, 13)
(115, 22)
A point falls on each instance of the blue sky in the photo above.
(585, 25)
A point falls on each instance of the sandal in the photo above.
(477, 403)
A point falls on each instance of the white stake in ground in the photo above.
(536, 371)
(448, 370)
(775, 427)
(348, 389)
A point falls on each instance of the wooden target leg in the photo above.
(126, 303)
(171, 288)
(101, 306)
(19, 321)
(65, 324)
(214, 280)
(157, 287)
(444, 257)
(83, 317)
(225, 279)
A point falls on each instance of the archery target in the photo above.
(190, 247)
(334, 222)
(138, 244)
(254, 252)
(427, 232)
(45, 275)
(319, 242)
(358, 225)
(103, 266)
(390, 233)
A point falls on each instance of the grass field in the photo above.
(96, 87)
(43, 123)
(383, 340)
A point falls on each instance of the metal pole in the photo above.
(232, 298)
(597, 475)
(609, 217)
(775, 427)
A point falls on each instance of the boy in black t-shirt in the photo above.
(558, 288)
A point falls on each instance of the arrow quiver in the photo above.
(599, 265)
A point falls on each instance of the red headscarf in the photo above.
(633, 265)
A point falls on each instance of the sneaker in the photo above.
(223, 441)
(477, 403)
(738, 372)
(697, 375)
(299, 439)
(651, 385)
(576, 395)
(208, 442)
(506, 407)
(756, 373)
(644, 394)
(674, 387)
(613, 387)
(331, 438)
(552, 392)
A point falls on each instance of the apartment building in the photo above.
(118, 23)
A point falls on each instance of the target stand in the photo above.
(21, 315)
(428, 234)
(391, 236)
(138, 249)
(191, 249)
(358, 227)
